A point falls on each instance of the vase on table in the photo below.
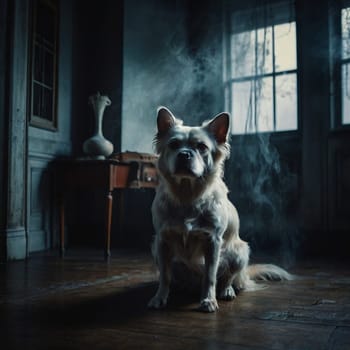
(97, 147)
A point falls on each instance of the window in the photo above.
(345, 65)
(43, 82)
(261, 77)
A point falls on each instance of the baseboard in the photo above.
(13, 244)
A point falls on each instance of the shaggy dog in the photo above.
(195, 223)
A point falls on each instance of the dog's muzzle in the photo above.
(184, 163)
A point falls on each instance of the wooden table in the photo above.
(107, 175)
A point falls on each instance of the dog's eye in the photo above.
(202, 147)
(174, 144)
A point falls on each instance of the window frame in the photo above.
(228, 79)
(37, 120)
(336, 64)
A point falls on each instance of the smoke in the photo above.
(265, 191)
(161, 68)
(262, 174)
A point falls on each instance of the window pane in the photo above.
(243, 54)
(264, 104)
(285, 47)
(49, 68)
(242, 107)
(37, 98)
(346, 94)
(264, 50)
(286, 102)
(345, 28)
(47, 104)
(38, 63)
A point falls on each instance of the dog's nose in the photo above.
(185, 155)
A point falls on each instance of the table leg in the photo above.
(109, 205)
(61, 206)
(121, 216)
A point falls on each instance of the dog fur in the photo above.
(194, 220)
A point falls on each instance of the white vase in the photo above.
(97, 147)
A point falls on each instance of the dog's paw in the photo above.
(157, 302)
(227, 294)
(208, 305)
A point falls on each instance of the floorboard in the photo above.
(83, 302)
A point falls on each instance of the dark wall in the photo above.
(205, 23)
(157, 69)
(168, 59)
(97, 62)
(263, 175)
(172, 57)
(3, 112)
(97, 67)
(145, 54)
(314, 60)
(291, 188)
(44, 146)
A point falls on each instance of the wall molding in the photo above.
(44, 157)
(14, 240)
(46, 148)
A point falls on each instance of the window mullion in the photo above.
(256, 84)
(273, 79)
(260, 76)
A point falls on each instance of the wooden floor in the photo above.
(82, 302)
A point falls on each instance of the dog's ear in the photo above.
(165, 120)
(219, 127)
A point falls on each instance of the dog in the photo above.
(194, 221)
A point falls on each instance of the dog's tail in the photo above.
(268, 272)
(247, 279)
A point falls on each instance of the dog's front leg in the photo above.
(212, 254)
(164, 260)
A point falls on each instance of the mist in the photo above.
(164, 65)
(160, 68)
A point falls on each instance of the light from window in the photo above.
(286, 102)
(264, 79)
(345, 65)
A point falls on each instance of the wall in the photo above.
(169, 60)
(44, 146)
(154, 57)
(89, 61)
(97, 62)
(27, 221)
(164, 65)
(97, 66)
(291, 189)
(13, 242)
(3, 119)
(146, 54)
(314, 58)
